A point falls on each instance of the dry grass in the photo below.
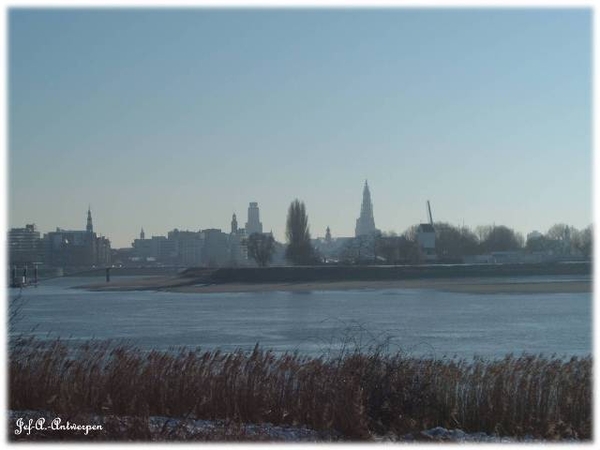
(357, 394)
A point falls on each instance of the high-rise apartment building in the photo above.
(24, 245)
(253, 225)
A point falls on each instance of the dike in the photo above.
(291, 274)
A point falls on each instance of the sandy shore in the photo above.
(461, 285)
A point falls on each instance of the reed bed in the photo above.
(358, 394)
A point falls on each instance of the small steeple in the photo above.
(89, 227)
(142, 234)
(328, 235)
(234, 224)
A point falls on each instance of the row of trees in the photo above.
(452, 242)
(563, 238)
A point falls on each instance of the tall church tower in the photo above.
(142, 234)
(89, 227)
(328, 235)
(90, 239)
(365, 224)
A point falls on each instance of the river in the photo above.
(420, 322)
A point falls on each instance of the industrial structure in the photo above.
(426, 238)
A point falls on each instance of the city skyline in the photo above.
(486, 113)
(256, 226)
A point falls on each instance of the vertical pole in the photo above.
(24, 275)
(35, 274)
(108, 274)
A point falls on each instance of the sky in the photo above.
(178, 118)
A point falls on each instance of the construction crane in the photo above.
(429, 213)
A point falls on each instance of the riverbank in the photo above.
(334, 273)
(462, 278)
(465, 285)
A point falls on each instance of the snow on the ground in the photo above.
(160, 428)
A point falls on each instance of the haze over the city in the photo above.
(167, 119)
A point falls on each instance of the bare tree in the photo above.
(409, 247)
(583, 241)
(387, 246)
(359, 250)
(500, 238)
(454, 242)
(261, 248)
(559, 232)
(411, 233)
(563, 238)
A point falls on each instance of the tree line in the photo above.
(452, 243)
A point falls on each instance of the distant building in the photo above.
(238, 251)
(76, 248)
(25, 246)
(69, 248)
(326, 246)
(178, 248)
(253, 225)
(426, 241)
(89, 226)
(209, 247)
(365, 224)
(165, 249)
(426, 238)
(234, 224)
(216, 248)
(142, 249)
(187, 246)
(331, 249)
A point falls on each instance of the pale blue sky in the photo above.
(178, 118)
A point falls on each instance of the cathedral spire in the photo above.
(365, 224)
(89, 227)
(367, 207)
(142, 234)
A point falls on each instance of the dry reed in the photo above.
(357, 394)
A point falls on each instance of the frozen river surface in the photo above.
(417, 321)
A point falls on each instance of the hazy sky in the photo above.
(178, 118)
